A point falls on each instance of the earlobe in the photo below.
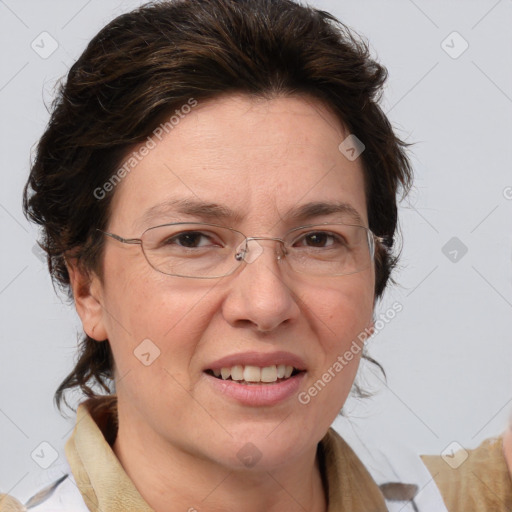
(87, 294)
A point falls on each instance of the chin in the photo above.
(266, 447)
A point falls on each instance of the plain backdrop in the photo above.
(447, 354)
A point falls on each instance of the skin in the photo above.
(178, 439)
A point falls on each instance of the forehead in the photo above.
(255, 158)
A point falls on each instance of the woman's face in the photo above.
(250, 165)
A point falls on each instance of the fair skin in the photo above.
(179, 436)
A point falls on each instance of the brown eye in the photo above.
(319, 239)
(191, 239)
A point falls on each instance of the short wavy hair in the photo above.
(145, 64)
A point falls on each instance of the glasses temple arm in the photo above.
(121, 239)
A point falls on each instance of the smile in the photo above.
(250, 374)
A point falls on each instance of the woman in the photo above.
(217, 189)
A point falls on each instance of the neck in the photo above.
(171, 479)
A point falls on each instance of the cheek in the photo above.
(329, 383)
(343, 309)
(341, 317)
(142, 304)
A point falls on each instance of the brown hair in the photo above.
(145, 64)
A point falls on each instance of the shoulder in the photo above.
(10, 504)
(398, 471)
(473, 479)
(61, 495)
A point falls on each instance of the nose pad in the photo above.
(280, 252)
(250, 250)
(249, 255)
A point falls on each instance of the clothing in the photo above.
(481, 483)
(96, 475)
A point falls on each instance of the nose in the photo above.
(250, 250)
(260, 294)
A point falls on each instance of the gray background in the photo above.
(447, 354)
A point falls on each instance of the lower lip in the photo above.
(258, 394)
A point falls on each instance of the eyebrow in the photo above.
(192, 207)
(209, 211)
(320, 209)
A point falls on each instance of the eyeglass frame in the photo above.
(372, 239)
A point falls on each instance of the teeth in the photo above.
(237, 372)
(269, 374)
(251, 373)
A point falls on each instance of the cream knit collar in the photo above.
(105, 487)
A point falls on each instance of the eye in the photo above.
(191, 240)
(320, 239)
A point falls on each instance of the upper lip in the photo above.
(258, 359)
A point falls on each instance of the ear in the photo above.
(87, 293)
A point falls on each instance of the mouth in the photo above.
(255, 375)
(256, 379)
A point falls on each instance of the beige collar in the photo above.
(106, 487)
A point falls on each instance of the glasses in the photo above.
(208, 251)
